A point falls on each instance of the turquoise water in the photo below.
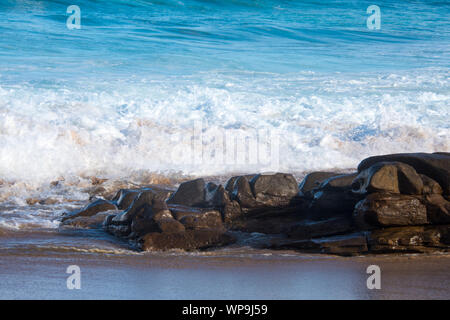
(107, 99)
(160, 38)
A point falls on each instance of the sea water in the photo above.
(107, 99)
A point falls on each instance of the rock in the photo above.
(430, 186)
(231, 211)
(125, 197)
(438, 209)
(270, 221)
(169, 225)
(87, 222)
(409, 239)
(313, 229)
(189, 193)
(209, 195)
(393, 177)
(144, 207)
(117, 229)
(148, 197)
(313, 180)
(229, 186)
(197, 218)
(196, 193)
(265, 190)
(154, 224)
(91, 209)
(188, 240)
(274, 190)
(334, 197)
(382, 210)
(341, 182)
(242, 193)
(215, 196)
(152, 219)
(433, 165)
(268, 203)
(344, 245)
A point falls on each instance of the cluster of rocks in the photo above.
(393, 203)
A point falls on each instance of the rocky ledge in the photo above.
(393, 203)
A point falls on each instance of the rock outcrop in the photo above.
(393, 203)
(393, 177)
(379, 210)
(433, 165)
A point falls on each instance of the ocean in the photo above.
(149, 92)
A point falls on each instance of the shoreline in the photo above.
(183, 276)
(257, 237)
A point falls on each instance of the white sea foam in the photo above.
(68, 131)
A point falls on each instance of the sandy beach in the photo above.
(235, 273)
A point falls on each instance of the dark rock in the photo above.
(409, 239)
(91, 209)
(265, 190)
(196, 193)
(148, 197)
(231, 211)
(433, 165)
(117, 229)
(313, 180)
(170, 225)
(215, 196)
(209, 196)
(341, 182)
(153, 223)
(188, 240)
(393, 177)
(242, 193)
(189, 193)
(438, 209)
(125, 197)
(268, 203)
(274, 185)
(430, 186)
(381, 210)
(345, 245)
(143, 209)
(197, 218)
(87, 222)
(229, 185)
(334, 197)
(313, 229)
(152, 219)
(269, 221)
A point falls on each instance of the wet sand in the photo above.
(239, 273)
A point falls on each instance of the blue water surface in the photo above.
(136, 37)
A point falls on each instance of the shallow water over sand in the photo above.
(33, 266)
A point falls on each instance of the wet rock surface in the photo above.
(391, 204)
(387, 210)
(433, 165)
(410, 239)
(91, 209)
